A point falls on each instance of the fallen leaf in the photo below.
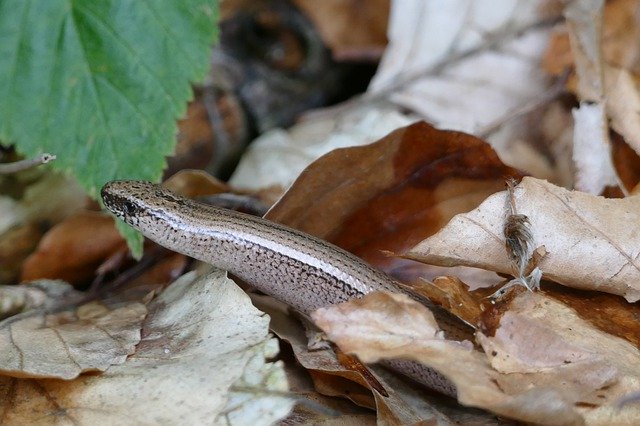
(43, 294)
(592, 150)
(591, 145)
(73, 249)
(619, 40)
(60, 342)
(388, 196)
(589, 239)
(469, 66)
(277, 157)
(330, 377)
(623, 105)
(16, 245)
(540, 386)
(453, 294)
(540, 335)
(194, 183)
(50, 198)
(202, 359)
(351, 30)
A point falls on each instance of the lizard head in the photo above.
(137, 202)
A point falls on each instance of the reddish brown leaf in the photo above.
(73, 249)
(389, 195)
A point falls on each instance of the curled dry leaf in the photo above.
(391, 194)
(201, 360)
(67, 342)
(591, 241)
(547, 366)
(591, 146)
(623, 104)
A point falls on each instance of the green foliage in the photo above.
(101, 83)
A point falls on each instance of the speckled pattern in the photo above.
(303, 271)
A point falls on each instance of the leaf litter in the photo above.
(536, 356)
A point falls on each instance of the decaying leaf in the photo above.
(591, 241)
(67, 342)
(391, 194)
(202, 359)
(547, 366)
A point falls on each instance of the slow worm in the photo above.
(301, 270)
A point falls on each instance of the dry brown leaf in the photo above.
(590, 241)
(44, 294)
(194, 183)
(545, 385)
(454, 295)
(354, 29)
(67, 342)
(16, 245)
(332, 378)
(201, 360)
(388, 196)
(543, 336)
(73, 249)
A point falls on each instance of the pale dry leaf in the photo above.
(403, 405)
(63, 342)
(50, 198)
(544, 364)
(43, 294)
(594, 166)
(592, 160)
(277, 157)
(477, 383)
(202, 360)
(543, 336)
(404, 324)
(462, 65)
(592, 242)
(584, 24)
(623, 105)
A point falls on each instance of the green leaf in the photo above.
(134, 238)
(101, 83)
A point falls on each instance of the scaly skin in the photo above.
(301, 270)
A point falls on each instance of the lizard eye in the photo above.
(129, 208)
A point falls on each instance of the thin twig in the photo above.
(29, 163)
